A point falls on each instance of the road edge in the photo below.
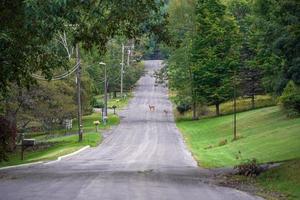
(46, 162)
(68, 155)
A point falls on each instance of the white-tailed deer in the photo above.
(166, 112)
(151, 108)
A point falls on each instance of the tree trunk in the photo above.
(195, 117)
(115, 94)
(217, 109)
(12, 118)
(252, 101)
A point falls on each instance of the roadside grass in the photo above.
(119, 101)
(59, 143)
(243, 104)
(58, 147)
(285, 179)
(265, 134)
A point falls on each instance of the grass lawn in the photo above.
(266, 134)
(120, 102)
(285, 179)
(59, 146)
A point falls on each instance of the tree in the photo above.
(290, 99)
(250, 72)
(179, 67)
(278, 23)
(28, 26)
(214, 53)
(6, 133)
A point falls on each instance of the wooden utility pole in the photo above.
(234, 106)
(105, 92)
(78, 76)
(122, 69)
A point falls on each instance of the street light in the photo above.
(104, 119)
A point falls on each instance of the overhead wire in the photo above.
(58, 77)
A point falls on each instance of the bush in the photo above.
(249, 168)
(290, 99)
(98, 104)
(182, 108)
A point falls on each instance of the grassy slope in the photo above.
(267, 136)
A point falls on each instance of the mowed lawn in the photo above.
(60, 144)
(266, 134)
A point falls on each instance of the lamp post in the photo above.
(128, 57)
(123, 63)
(105, 93)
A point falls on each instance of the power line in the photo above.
(58, 77)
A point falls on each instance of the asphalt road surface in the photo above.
(143, 158)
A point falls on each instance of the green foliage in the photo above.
(29, 28)
(290, 99)
(98, 104)
(214, 52)
(278, 25)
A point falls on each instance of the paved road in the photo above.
(143, 158)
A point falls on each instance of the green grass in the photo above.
(267, 135)
(120, 102)
(285, 179)
(60, 146)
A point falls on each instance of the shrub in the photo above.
(248, 168)
(98, 104)
(290, 99)
(182, 108)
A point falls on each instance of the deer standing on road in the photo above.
(151, 108)
(166, 111)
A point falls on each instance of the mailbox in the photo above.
(28, 142)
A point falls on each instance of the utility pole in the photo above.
(105, 92)
(123, 63)
(122, 69)
(234, 106)
(78, 75)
